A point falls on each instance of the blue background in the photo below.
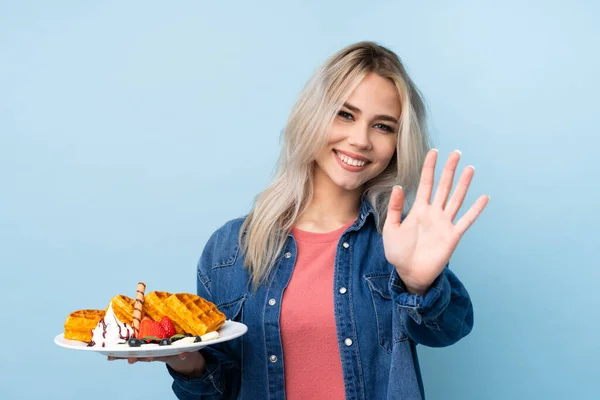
(129, 131)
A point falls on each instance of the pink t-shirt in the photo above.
(312, 364)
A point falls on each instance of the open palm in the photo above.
(421, 245)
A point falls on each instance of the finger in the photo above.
(458, 197)
(445, 184)
(427, 174)
(471, 215)
(132, 360)
(395, 206)
(166, 358)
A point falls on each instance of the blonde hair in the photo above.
(265, 229)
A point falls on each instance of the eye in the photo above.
(385, 127)
(345, 114)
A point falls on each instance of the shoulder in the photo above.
(228, 230)
(223, 241)
(221, 248)
(220, 274)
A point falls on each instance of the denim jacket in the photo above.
(378, 323)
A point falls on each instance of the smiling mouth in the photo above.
(349, 160)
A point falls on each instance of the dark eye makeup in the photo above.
(348, 116)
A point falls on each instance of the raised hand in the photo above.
(423, 243)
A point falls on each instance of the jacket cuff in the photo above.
(422, 308)
(206, 384)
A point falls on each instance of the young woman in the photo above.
(336, 277)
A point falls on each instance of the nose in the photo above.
(358, 136)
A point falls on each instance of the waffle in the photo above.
(194, 314)
(79, 324)
(123, 308)
(155, 308)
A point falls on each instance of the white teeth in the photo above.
(350, 161)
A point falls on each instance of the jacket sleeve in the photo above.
(440, 317)
(222, 376)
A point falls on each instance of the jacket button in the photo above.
(273, 358)
(288, 255)
(346, 245)
(348, 342)
(343, 290)
(272, 302)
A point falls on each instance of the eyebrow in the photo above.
(382, 117)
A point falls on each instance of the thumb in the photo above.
(395, 206)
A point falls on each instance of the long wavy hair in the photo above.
(277, 208)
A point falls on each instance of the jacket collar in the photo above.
(366, 209)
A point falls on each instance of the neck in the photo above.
(331, 206)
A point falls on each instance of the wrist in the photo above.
(417, 290)
(411, 286)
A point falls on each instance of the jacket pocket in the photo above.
(226, 257)
(233, 309)
(389, 329)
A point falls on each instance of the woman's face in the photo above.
(362, 138)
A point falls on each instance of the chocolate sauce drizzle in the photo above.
(125, 337)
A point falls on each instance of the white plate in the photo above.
(230, 330)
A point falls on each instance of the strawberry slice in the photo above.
(151, 328)
(168, 326)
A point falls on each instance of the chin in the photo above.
(349, 185)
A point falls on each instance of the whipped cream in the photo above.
(110, 331)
